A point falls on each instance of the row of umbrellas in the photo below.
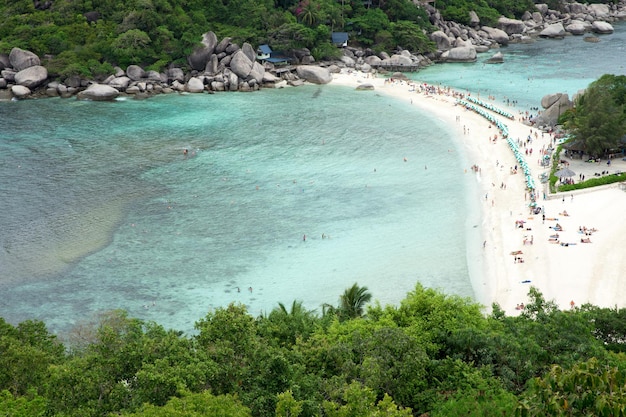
(519, 156)
(490, 107)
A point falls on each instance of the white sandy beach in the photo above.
(578, 272)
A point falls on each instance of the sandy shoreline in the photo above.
(578, 272)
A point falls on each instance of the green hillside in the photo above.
(86, 37)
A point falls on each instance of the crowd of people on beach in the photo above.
(534, 142)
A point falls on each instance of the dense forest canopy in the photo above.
(88, 37)
(433, 354)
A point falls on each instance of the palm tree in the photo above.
(352, 301)
(287, 325)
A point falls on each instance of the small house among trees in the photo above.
(340, 39)
(265, 54)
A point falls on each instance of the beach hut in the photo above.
(265, 54)
(340, 39)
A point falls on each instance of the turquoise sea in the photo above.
(100, 209)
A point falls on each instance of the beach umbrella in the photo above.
(565, 172)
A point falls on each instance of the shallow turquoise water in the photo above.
(168, 236)
(100, 209)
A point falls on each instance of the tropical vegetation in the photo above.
(87, 37)
(433, 354)
(598, 120)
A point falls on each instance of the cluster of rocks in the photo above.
(215, 66)
(225, 66)
(21, 71)
(366, 60)
(461, 43)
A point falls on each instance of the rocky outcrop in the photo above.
(313, 74)
(225, 66)
(200, 56)
(441, 39)
(474, 21)
(241, 65)
(574, 18)
(554, 106)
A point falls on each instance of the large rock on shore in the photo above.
(135, 72)
(32, 77)
(21, 59)
(313, 74)
(474, 20)
(602, 27)
(373, 60)
(120, 83)
(600, 11)
(577, 27)
(249, 51)
(555, 30)
(200, 56)
(497, 35)
(442, 40)
(98, 92)
(400, 60)
(461, 54)
(257, 74)
(555, 105)
(20, 91)
(511, 26)
(194, 85)
(241, 65)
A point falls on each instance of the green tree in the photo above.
(285, 326)
(368, 24)
(609, 326)
(587, 389)
(410, 36)
(228, 337)
(352, 302)
(360, 401)
(31, 405)
(287, 405)
(26, 353)
(131, 47)
(599, 121)
(196, 405)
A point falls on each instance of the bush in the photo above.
(326, 51)
(594, 182)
